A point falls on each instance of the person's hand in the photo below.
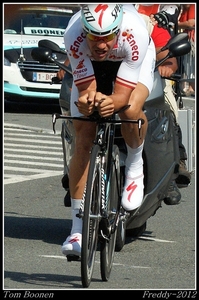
(60, 74)
(161, 19)
(165, 71)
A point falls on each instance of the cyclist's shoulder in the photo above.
(74, 25)
(74, 37)
(132, 24)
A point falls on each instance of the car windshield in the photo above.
(39, 21)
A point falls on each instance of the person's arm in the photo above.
(167, 16)
(186, 24)
(169, 67)
(61, 73)
(188, 20)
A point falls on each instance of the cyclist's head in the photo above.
(101, 19)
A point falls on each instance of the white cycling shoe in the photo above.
(72, 245)
(133, 192)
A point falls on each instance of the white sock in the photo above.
(134, 185)
(76, 222)
(134, 158)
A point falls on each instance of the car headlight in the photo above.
(6, 62)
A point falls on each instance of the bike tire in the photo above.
(107, 246)
(90, 227)
(121, 230)
(121, 235)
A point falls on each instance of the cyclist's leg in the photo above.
(84, 133)
(135, 137)
(134, 183)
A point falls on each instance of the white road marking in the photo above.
(30, 146)
(31, 135)
(29, 141)
(20, 178)
(49, 152)
(34, 163)
(143, 237)
(15, 127)
(98, 262)
(36, 157)
(31, 153)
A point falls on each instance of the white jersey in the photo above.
(134, 48)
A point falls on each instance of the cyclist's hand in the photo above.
(104, 105)
(85, 103)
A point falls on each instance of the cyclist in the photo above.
(96, 34)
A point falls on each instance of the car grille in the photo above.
(40, 90)
(28, 67)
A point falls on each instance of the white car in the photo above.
(25, 78)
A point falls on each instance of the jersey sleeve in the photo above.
(135, 44)
(77, 51)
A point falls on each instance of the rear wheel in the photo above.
(121, 235)
(121, 230)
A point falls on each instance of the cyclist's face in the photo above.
(100, 47)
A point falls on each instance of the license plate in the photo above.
(43, 77)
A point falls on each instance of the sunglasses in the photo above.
(106, 38)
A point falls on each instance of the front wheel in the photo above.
(112, 210)
(91, 217)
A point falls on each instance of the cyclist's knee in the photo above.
(85, 133)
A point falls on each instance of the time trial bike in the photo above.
(102, 215)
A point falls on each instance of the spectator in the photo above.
(165, 15)
(186, 23)
(160, 40)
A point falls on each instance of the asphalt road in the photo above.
(36, 223)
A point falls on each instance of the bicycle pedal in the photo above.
(73, 258)
(124, 216)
